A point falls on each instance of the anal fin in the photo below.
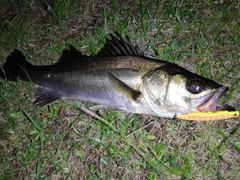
(44, 96)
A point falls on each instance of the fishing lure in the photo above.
(208, 116)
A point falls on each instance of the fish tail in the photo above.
(16, 67)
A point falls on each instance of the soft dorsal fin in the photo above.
(70, 54)
(119, 47)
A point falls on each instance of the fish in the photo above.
(119, 77)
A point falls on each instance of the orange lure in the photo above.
(208, 116)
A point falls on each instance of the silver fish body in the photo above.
(120, 78)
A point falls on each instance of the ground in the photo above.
(60, 141)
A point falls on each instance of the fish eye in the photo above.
(195, 87)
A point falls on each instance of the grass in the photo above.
(60, 141)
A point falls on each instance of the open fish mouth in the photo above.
(210, 102)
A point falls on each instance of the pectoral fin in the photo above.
(123, 88)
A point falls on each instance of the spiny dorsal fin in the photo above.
(119, 47)
(70, 54)
(123, 88)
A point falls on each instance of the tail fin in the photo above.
(15, 67)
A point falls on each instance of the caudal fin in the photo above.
(16, 67)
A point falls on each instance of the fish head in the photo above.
(173, 89)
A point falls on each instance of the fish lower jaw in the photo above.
(210, 101)
(209, 108)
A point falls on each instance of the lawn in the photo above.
(62, 141)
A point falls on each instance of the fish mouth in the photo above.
(210, 102)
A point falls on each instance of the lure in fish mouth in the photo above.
(209, 102)
(120, 77)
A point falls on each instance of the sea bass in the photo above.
(120, 77)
